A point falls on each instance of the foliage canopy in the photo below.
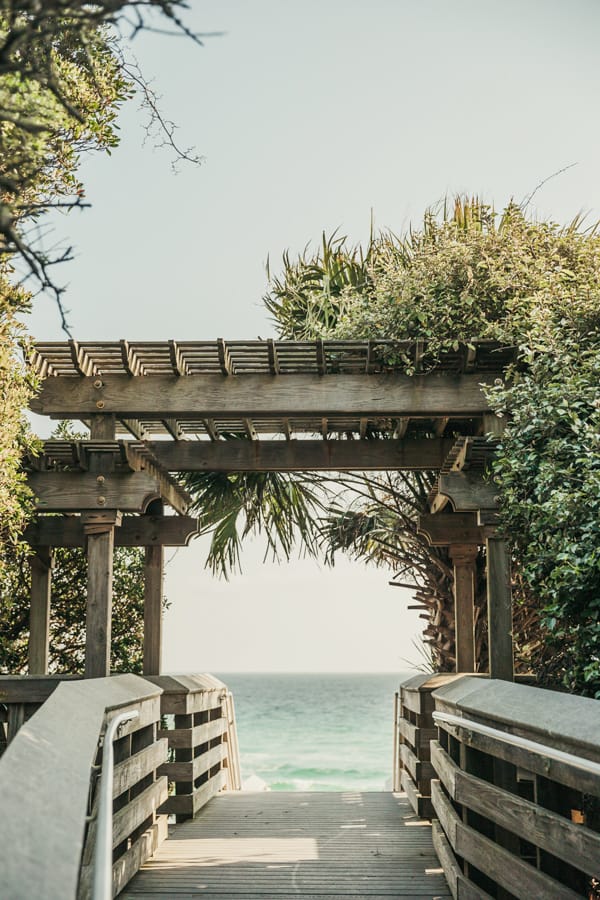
(469, 274)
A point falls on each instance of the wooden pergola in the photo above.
(154, 409)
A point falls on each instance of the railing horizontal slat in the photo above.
(136, 767)
(186, 738)
(507, 870)
(551, 832)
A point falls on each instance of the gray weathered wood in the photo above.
(562, 721)
(301, 455)
(134, 531)
(435, 394)
(275, 845)
(460, 887)
(187, 694)
(464, 557)
(49, 763)
(134, 768)
(140, 851)
(99, 603)
(454, 528)
(189, 804)
(102, 426)
(499, 606)
(39, 614)
(74, 491)
(187, 738)
(190, 771)
(574, 844)
(153, 616)
(506, 869)
(468, 491)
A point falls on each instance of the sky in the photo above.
(312, 116)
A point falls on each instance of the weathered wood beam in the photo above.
(153, 622)
(74, 491)
(167, 396)
(456, 528)
(39, 616)
(299, 456)
(134, 531)
(467, 491)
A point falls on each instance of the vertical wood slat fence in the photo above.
(198, 722)
(517, 793)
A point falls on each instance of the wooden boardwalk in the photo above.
(309, 846)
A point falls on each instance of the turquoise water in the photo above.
(316, 732)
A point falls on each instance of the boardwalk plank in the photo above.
(310, 846)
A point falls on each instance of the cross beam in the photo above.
(170, 396)
(134, 531)
(297, 456)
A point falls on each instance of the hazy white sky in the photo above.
(309, 115)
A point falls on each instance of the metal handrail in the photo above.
(560, 756)
(102, 888)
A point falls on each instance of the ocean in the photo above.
(315, 732)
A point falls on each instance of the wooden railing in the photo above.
(517, 791)
(413, 732)
(49, 780)
(20, 697)
(199, 723)
(178, 751)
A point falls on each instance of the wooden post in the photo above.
(100, 531)
(463, 558)
(153, 596)
(39, 616)
(499, 604)
(102, 427)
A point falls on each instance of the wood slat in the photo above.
(506, 869)
(136, 767)
(186, 738)
(575, 844)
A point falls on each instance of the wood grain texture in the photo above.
(302, 455)
(169, 396)
(506, 869)
(574, 844)
(467, 491)
(457, 528)
(464, 558)
(39, 614)
(74, 491)
(134, 531)
(153, 612)
(99, 604)
(499, 606)
(303, 845)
